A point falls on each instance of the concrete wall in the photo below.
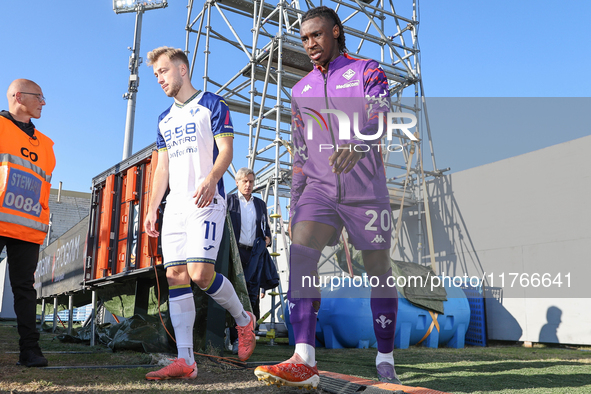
(524, 215)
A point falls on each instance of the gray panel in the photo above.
(6, 297)
(61, 265)
(514, 220)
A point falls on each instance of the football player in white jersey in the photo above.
(194, 150)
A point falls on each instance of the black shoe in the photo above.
(32, 358)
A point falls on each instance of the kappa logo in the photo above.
(306, 88)
(349, 74)
(209, 247)
(378, 239)
(194, 111)
(383, 321)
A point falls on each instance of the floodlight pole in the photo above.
(121, 6)
(134, 82)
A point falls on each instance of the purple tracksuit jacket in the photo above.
(359, 89)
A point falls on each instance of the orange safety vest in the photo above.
(26, 165)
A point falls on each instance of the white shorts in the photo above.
(193, 235)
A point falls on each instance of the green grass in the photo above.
(497, 369)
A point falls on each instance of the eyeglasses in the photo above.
(40, 97)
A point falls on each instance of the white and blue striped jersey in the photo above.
(188, 132)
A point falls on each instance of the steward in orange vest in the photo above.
(26, 163)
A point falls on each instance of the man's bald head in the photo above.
(20, 85)
(25, 100)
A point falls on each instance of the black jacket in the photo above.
(261, 272)
(261, 223)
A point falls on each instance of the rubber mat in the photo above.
(345, 384)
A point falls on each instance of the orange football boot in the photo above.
(177, 370)
(293, 372)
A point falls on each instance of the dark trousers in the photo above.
(22, 263)
(245, 259)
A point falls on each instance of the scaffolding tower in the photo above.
(253, 56)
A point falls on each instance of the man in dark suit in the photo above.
(251, 228)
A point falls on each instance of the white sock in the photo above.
(307, 353)
(186, 353)
(226, 297)
(182, 316)
(385, 357)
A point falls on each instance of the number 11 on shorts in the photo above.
(207, 223)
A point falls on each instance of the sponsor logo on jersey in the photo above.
(167, 119)
(349, 74)
(194, 111)
(181, 151)
(209, 247)
(227, 123)
(348, 84)
(383, 321)
(378, 239)
(180, 135)
(306, 88)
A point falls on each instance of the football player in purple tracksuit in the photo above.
(338, 115)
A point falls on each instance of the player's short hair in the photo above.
(330, 15)
(174, 54)
(243, 173)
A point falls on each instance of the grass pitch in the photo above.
(498, 369)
